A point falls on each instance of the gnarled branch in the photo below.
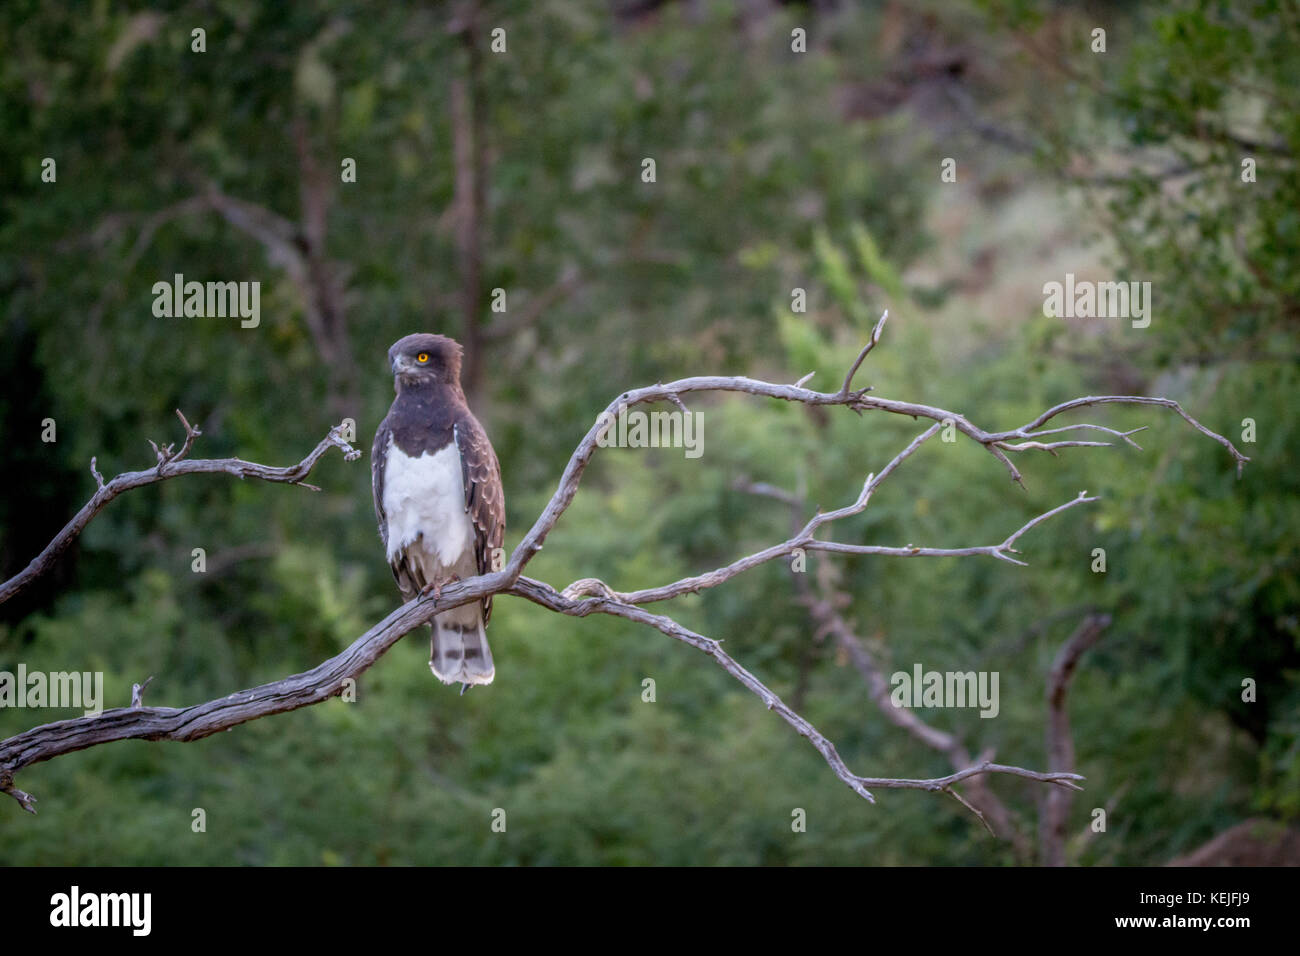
(580, 599)
(171, 463)
(1060, 741)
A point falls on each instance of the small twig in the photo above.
(960, 799)
(866, 350)
(25, 799)
(137, 693)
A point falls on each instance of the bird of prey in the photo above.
(438, 499)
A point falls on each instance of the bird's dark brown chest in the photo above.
(424, 420)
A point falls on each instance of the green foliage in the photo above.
(763, 185)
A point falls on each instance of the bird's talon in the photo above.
(436, 587)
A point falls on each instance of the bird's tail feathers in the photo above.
(459, 651)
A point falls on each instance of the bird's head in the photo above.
(425, 359)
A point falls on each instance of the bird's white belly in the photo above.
(424, 500)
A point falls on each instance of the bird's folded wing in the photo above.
(484, 497)
(378, 461)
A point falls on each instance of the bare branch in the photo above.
(580, 599)
(25, 799)
(856, 400)
(983, 802)
(201, 720)
(1060, 741)
(1100, 428)
(962, 800)
(1126, 400)
(170, 465)
(137, 693)
(548, 597)
(805, 540)
(866, 350)
(1064, 780)
(823, 609)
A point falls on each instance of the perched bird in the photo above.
(438, 498)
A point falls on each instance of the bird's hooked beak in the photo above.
(405, 372)
(399, 368)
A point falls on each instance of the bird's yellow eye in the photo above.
(422, 358)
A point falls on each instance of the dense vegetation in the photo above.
(774, 170)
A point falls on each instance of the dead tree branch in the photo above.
(580, 599)
(824, 603)
(201, 720)
(546, 596)
(171, 464)
(1060, 741)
